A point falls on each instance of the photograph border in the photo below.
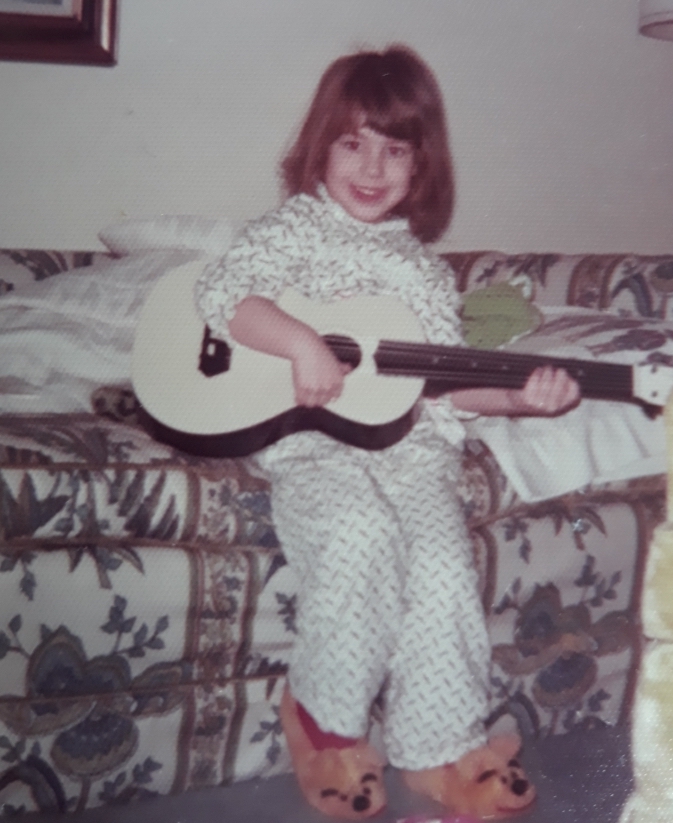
(89, 38)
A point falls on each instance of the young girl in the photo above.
(388, 602)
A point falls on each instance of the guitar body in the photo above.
(251, 404)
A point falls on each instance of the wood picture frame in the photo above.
(86, 33)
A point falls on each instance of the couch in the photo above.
(146, 610)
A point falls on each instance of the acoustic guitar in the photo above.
(204, 398)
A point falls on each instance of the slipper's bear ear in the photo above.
(494, 755)
(505, 745)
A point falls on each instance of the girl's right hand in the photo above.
(317, 374)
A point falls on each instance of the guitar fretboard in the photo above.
(459, 368)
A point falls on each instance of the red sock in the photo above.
(320, 739)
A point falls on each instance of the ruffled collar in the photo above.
(393, 224)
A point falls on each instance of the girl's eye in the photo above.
(350, 143)
(398, 151)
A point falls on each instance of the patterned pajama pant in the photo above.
(388, 592)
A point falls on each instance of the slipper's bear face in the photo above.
(510, 789)
(344, 783)
(487, 783)
(493, 783)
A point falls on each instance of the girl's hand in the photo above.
(317, 374)
(547, 392)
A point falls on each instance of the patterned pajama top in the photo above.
(311, 244)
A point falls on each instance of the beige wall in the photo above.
(561, 118)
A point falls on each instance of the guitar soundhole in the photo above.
(215, 355)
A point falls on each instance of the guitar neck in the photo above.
(449, 368)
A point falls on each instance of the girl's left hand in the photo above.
(547, 392)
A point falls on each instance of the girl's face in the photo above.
(369, 174)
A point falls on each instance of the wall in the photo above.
(561, 118)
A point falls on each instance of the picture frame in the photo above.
(59, 31)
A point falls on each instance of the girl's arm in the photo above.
(548, 392)
(317, 374)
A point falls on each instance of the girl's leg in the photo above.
(436, 700)
(437, 695)
(342, 539)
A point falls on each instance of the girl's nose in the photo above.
(373, 163)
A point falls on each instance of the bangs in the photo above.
(396, 125)
(396, 122)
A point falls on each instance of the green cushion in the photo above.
(496, 314)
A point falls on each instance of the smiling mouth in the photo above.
(366, 195)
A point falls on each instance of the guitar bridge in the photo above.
(215, 355)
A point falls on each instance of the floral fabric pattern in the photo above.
(635, 285)
(147, 612)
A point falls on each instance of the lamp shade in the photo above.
(656, 18)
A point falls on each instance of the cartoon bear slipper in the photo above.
(488, 782)
(345, 783)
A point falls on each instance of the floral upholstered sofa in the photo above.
(146, 610)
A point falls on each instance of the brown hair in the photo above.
(399, 97)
